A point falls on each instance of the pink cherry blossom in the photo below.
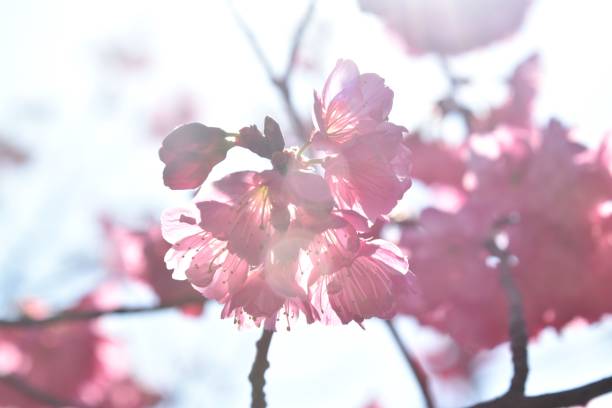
(368, 166)
(350, 104)
(275, 245)
(354, 280)
(371, 176)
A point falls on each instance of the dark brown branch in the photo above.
(281, 82)
(575, 396)
(260, 365)
(78, 315)
(518, 331)
(517, 325)
(35, 394)
(414, 365)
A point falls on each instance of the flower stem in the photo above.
(260, 365)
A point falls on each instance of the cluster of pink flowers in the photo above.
(73, 361)
(551, 197)
(275, 244)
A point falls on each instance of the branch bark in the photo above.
(78, 315)
(414, 365)
(260, 365)
(575, 396)
(517, 325)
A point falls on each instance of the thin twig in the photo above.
(416, 368)
(78, 315)
(297, 39)
(575, 396)
(260, 365)
(35, 394)
(281, 83)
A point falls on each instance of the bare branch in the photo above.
(517, 326)
(281, 83)
(250, 36)
(78, 315)
(297, 39)
(575, 396)
(260, 365)
(414, 365)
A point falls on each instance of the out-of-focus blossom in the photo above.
(449, 27)
(181, 109)
(66, 361)
(517, 110)
(139, 254)
(449, 362)
(285, 242)
(10, 154)
(373, 404)
(125, 57)
(553, 188)
(435, 163)
(190, 152)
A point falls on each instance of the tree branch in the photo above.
(517, 326)
(260, 365)
(78, 315)
(297, 38)
(281, 82)
(36, 394)
(416, 368)
(575, 396)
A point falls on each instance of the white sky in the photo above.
(86, 124)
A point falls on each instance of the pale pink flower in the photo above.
(350, 104)
(354, 279)
(198, 256)
(371, 176)
(237, 252)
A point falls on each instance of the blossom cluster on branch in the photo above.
(550, 196)
(275, 244)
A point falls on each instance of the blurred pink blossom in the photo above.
(449, 27)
